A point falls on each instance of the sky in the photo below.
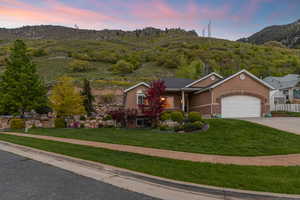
(231, 19)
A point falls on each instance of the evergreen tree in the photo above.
(88, 97)
(21, 89)
(65, 99)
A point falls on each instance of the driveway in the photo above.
(25, 179)
(289, 124)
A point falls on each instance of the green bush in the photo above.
(80, 66)
(194, 117)
(165, 116)
(190, 127)
(60, 123)
(177, 116)
(123, 67)
(107, 117)
(38, 52)
(164, 128)
(17, 124)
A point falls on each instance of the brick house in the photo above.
(238, 96)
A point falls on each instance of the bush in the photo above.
(38, 52)
(123, 67)
(107, 118)
(190, 127)
(60, 123)
(80, 66)
(177, 116)
(164, 128)
(82, 118)
(165, 116)
(17, 124)
(194, 117)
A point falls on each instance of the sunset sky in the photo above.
(231, 19)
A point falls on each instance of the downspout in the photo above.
(212, 102)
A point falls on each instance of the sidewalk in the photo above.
(157, 187)
(277, 160)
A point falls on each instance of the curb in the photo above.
(219, 192)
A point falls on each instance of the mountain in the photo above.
(146, 54)
(289, 35)
(66, 33)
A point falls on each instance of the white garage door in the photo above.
(241, 107)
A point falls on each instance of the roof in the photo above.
(288, 81)
(177, 82)
(216, 84)
(203, 78)
(137, 85)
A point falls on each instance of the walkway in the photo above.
(277, 160)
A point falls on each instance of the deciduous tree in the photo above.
(154, 103)
(65, 99)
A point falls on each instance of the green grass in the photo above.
(268, 179)
(225, 137)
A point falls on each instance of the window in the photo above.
(140, 99)
(169, 102)
(296, 93)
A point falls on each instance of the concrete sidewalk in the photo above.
(277, 160)
(137, 182)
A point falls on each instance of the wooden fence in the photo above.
(286, 107)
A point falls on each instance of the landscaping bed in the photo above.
(268, 179)
(285, 114)
(224, 137)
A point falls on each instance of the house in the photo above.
(238, 96)
(287, 89)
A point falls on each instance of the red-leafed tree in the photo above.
(122, 116)
(154, 105)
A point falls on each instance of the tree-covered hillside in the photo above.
(128, 59)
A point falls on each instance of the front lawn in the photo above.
(288, 114)
(225, 137)
(268, 179)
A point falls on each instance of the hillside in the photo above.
(289, 35)
(148, 54)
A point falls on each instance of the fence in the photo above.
(286, 107)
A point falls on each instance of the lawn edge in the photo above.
(164, 182)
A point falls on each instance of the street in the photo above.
(25, 179)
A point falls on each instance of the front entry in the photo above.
(240, 106)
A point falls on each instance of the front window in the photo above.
(140, 99)
(169, 102)
(296, 93)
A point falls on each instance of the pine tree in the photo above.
(88, 97)
(21, 89)
(65, 99)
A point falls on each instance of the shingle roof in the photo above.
(176, 82)
(287, 81)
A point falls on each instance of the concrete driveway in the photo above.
(289, 124)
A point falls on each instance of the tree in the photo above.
(88, 98)
(65, 99)
(123, 67)
(193, 70)
(155, 104)
(21, 89)
(123, 116)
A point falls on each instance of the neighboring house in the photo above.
(287, 89)
(238, 96)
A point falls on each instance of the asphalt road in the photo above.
(25, 179)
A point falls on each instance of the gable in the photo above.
(206, 80)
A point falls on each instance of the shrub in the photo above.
(82, 118)
(107, 117)
(38, 52)
(190, 127)
(60, 123)
(80, 66)
(164, 128)
(123, 67)
(194, 117)
(177, 116)
(17, 124)
(165, 116)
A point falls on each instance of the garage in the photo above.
(240, 106)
